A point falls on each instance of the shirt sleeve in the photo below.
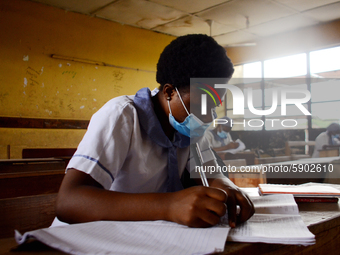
(320, 141)
(208, 135)
(104, 148)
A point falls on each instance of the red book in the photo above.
(316, 199)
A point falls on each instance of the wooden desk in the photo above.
(298, 177)
(323, 220)
(27, 197)
(31, 164)
(329, 153)
(249, 156)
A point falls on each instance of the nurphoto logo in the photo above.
(281, 97)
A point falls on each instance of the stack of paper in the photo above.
(276, 220)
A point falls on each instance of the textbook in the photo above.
(317, 191)
(276, 220)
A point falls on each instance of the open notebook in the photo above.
(276, 221)
(142, 237)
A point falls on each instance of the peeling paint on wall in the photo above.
(31, 79)
(48, 111)
(72, 73)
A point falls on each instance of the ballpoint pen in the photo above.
(196, 151)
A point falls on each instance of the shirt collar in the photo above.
(150, 123)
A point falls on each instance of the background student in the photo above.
(327, 139)
(220, 138)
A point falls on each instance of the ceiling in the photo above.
(233, 21)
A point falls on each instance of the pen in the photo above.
(202, 174)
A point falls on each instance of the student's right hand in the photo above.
(197, 206)
(234, 145)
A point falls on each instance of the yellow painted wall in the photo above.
(35, 85)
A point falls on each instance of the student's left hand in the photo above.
(236, 197)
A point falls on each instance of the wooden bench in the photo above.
(240, 177)
(48, 152)
(249, 156)
(30, 183)
(31, 165)
(27, 200)
(291, 145)
(267, 160)
(59, 153)
(29, 187)
(26, 213)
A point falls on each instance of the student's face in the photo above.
(193, 105)
(226, 128)
(334, 133)
(177, 108)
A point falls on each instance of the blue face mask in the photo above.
(222, 134)
(335, 139)
(191, 126)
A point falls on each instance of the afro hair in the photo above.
(192, 56)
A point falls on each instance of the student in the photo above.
(326, 139)
(220, 139)
(129, 163)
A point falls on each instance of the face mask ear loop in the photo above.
(182, 101)
(168, 99)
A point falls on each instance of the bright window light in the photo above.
(291, 66)
(252, 70)
(325, 60)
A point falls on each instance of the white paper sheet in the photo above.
(241, 147)
(142, 237)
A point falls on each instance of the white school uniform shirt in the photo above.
(215, 143)
(321, 140)
(119, 155)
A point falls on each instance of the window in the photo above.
(324, 68)
(290, 72)
(325, 60)
(291, 66)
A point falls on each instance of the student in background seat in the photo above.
(328, 138)
(220, 138)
